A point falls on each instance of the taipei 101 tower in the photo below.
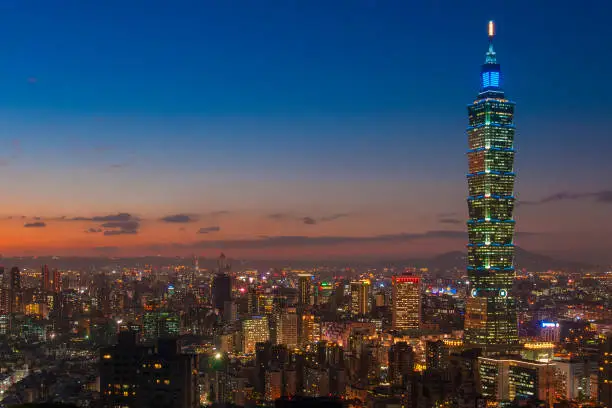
(491, 320)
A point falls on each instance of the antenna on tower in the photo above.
(491, 30)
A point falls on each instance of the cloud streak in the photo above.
(37, 224)
(602, 196)
(308, 220)
(208, 230)
(179, 218)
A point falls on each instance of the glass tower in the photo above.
(490, 321)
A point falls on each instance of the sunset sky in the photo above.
(294, 129)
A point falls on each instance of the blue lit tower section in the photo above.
(490, 321)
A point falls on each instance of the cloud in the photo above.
(104, 218)
(309, 220)
(206, 230)
(333, 217)
(603, 196)
(120, 232)
(111, 224)
(450, 221)
(37, 224)
(121, 227)
(93, 230)
(179, 218)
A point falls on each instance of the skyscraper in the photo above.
(57, 281)
(222, 284)
(304, 289)
(45, 276)
(406, 312)
(360, 297)
(490, 320)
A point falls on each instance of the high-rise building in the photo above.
(222, 284)
(401, 363)
(221, 290)
(57, 281)
(274, 384)
(15, 290)
(506, 378)
(161, 324)
(436, 355)
(304, 289)
(137, 376)
(287, 328)
(360, 297)
(491, 321)
(254, 330)
(406, 311)
(605, 374)
(45, 276)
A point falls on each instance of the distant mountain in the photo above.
(443, 262)
(527, 260)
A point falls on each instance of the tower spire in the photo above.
(491, 58)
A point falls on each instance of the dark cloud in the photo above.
(37, 224)
(603, 196)
(93, 230)
(308, 220)
(207, 230)
(179, 218)
(104, 218)
(450, 221)
(121, 227)
(333, 217)
(111, 224)
(120, 232)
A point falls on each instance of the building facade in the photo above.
(406, 311)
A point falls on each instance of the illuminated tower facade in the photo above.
(490, 321)
(304, 289)
(406, 311)
(360, 297)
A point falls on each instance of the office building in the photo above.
(57, 281)
(406, 310)
(401, 363)
(491, 319)
(509, 378)
(360, 297)
(168, 379)
(436, 355)
(287, 328)
(161, 324)
(604, 387)
(254, 330)
(221, 290)
(136, 376)
(45, 275)
(304, 289)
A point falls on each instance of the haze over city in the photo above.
(299, 130)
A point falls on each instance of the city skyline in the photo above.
(248, 145)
